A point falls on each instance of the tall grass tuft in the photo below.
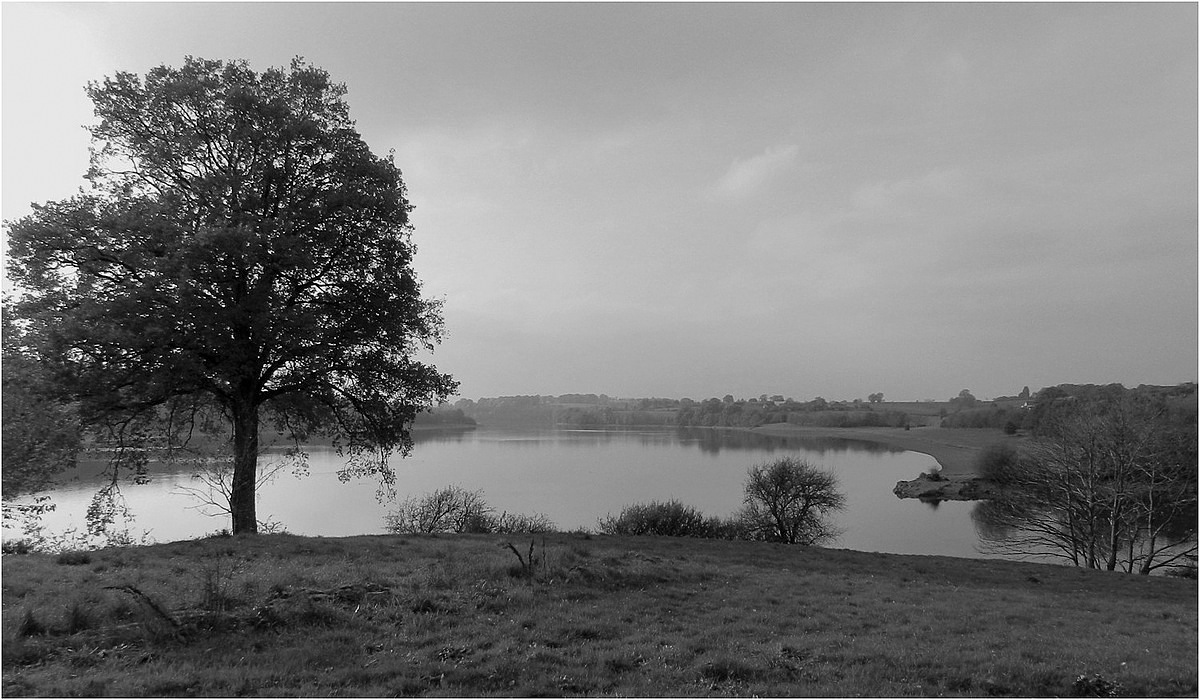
(79, 617)
(30, 626)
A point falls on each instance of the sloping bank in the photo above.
(955, 449)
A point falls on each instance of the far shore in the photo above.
(955, 449)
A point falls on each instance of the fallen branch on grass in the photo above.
(148, 602)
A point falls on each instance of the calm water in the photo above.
(574, 477)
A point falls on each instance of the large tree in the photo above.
(242, 254)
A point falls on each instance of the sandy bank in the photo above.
(954, 448)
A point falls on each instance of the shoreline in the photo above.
(955, 449)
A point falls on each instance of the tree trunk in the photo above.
(1114, 539)
(245, 468)
(1148, 562)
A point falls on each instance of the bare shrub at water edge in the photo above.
(448, 509)
(1000, 463)
(666, 519)
(453, 509)
(788, 500)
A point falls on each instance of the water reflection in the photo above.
(1026, 530)
(573, 476)
(707, 440)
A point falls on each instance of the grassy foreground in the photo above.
(281, 615)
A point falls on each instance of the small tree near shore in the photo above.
(790, 500)
(453, 509)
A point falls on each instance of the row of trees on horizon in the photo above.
(1021, 412)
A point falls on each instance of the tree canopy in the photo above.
(241, 254)
(789, 500)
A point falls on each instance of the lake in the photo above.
(573, 476)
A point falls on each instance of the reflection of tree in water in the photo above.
(991, 524)
(442, 434)
(1023, 529)
(712, 440)
(1109, 484)
(708, 440)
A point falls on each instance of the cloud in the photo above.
(745, 177)
(938, 184)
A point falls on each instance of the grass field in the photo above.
(580, 615)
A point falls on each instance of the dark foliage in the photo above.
(241, 256)
(789, 500)
(454, 509)
(1000, 463)
(668, 519)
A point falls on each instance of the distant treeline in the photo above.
(592, 411)
(443, 417)
(1029, 416)
(755, 412)
(1023, 412)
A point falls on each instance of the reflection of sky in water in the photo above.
(575, 477)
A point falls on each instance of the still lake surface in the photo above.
(573, 476)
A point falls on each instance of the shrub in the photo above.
(79, 616)
(73, 557)
(849, 419)
(991, 417)
(1184, 571)
(519, 523)
(449, 509)
(788, 501)
(454, 509)
(998, 462)
(17, 546)
(30, 626)
(665, 519)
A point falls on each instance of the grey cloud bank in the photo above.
(693, 200)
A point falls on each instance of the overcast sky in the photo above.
(700, 199)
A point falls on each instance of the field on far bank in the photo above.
(580, 615)
(956, 449)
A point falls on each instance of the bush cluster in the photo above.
(453, 509)
(668, 519)
(999, 463)
(785, 501)
(850, 419)
(992, 417)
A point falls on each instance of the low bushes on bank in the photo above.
(669, 519)
(454, 509)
